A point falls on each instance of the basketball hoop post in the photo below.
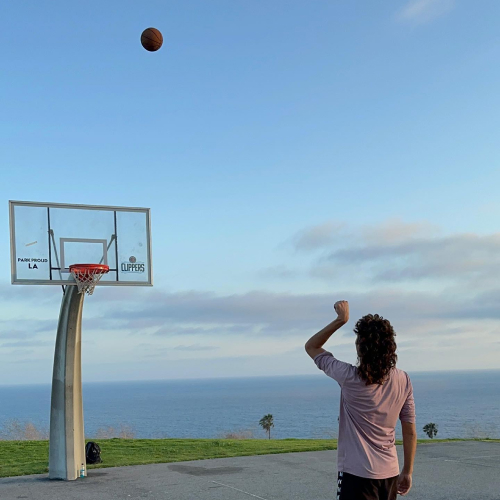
(67, 438)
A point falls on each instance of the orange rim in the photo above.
(88, 268)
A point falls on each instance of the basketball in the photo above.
(151, 39)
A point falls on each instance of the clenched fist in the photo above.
(342, 309)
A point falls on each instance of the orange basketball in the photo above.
(151, 39)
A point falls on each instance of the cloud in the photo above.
(458, 258)
(258, 326)
(278, 272)
(177, 329)
(26, 328)
(395, 230)
(317, 237)
(155, 350)
(423, 11)
(195, 347)
(28, 343)
(438, 290)
(328, 235)
(254, 313)
(273, 316)
(30, 294)
(399, 252)
(385, 255)
(7, 331)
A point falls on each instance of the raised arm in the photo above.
(315, 343)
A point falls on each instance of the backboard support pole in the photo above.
(67, 439)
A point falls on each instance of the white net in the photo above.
(87, 279)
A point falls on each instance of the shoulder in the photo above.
(400, 373)
(402, 377)
(333, 367)
(329, 357)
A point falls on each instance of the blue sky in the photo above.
(292, 153)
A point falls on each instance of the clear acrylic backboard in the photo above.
(46, 238)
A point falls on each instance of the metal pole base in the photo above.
(67, 441)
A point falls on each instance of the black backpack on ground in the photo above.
(93, 453)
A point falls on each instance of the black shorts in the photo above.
(350, 487)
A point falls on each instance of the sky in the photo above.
(292, 154)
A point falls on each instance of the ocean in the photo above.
(462, 404)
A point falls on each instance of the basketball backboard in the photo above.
(46, 238)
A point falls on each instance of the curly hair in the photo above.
(376, 348)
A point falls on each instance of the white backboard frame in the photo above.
(15, 280)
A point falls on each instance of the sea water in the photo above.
(462, 404)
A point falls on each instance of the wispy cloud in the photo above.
(395, 230)
(28, 343)
(195, 347)
(273, 316)
(424, 11)
(208, 326)
(330, 234)
(8, 331)
(396, 252)
(316, 237)
(18, 328)
(459, 307)
(40, 295)
(280, 272)
(461, 258)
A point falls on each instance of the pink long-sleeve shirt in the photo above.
(368, 417)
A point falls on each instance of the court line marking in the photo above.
(472, 463)
(467, 458)
(246, 492)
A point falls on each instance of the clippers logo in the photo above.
(132, 266)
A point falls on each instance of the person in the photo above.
(374, 394)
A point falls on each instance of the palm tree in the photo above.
(431, 430)
(266, 422)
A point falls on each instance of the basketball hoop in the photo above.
(87, 276)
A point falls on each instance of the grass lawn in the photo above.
(18, 458)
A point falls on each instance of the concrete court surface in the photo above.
(467, 470)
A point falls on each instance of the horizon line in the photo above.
(241, 378)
